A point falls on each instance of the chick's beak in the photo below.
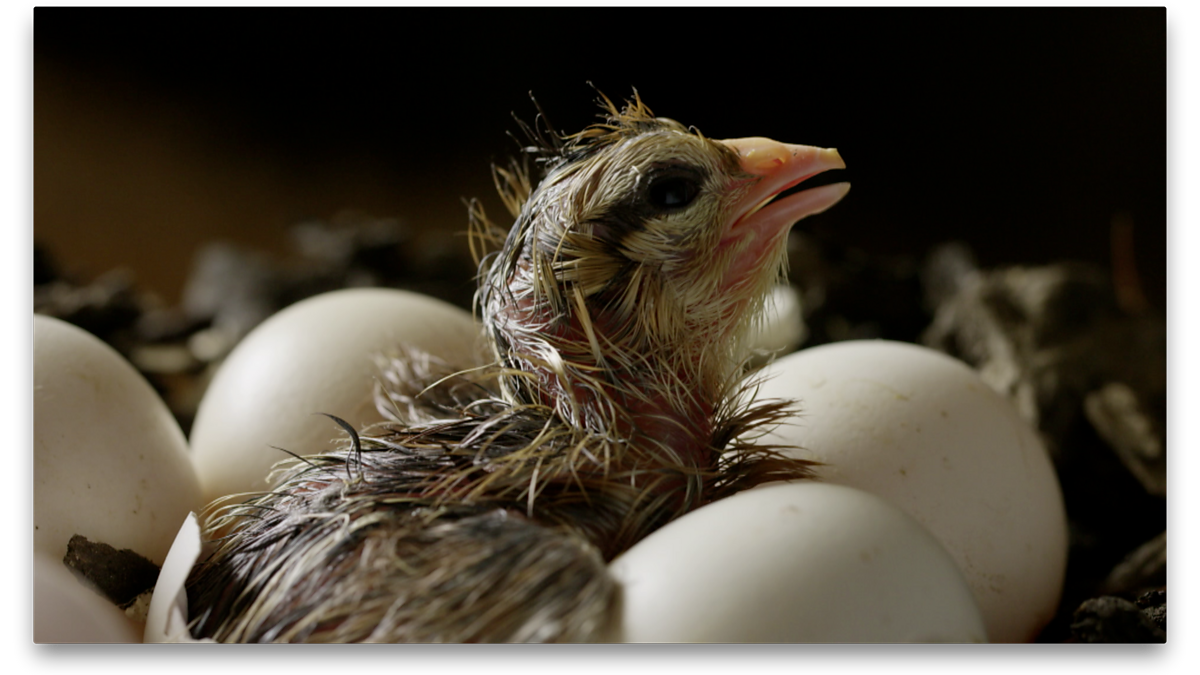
(758, 226)
(780, 166)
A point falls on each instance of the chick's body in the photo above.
(486, 510)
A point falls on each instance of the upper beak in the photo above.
(781, 166)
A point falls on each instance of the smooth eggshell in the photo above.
(780, 328)
(110, 462)
(316, 356)
(921, 430)
(794, 562)
(65, 610)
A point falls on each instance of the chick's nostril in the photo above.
(765, 160)
(760, 155)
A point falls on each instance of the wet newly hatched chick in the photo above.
(616, 308)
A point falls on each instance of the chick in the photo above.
(486, 509)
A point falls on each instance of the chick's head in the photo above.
(639, 261)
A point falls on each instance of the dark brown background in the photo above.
(1022, 132)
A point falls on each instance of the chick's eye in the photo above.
(669, 193)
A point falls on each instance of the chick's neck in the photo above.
(655, 397)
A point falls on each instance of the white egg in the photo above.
(110, 462)
(780, 328)
(794, 562)
(921, 430)
(65, 610)
(316, 356)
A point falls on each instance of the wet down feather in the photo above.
(486, 507)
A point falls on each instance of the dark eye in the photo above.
(671, 192)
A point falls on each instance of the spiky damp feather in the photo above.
(486, 507)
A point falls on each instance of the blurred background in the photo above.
(1023, 132)
(232, 161)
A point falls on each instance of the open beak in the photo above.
(781, 166)
(759, 223)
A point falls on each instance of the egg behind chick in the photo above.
(316, 356)
(923, 431)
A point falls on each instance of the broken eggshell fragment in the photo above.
(166, 620)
